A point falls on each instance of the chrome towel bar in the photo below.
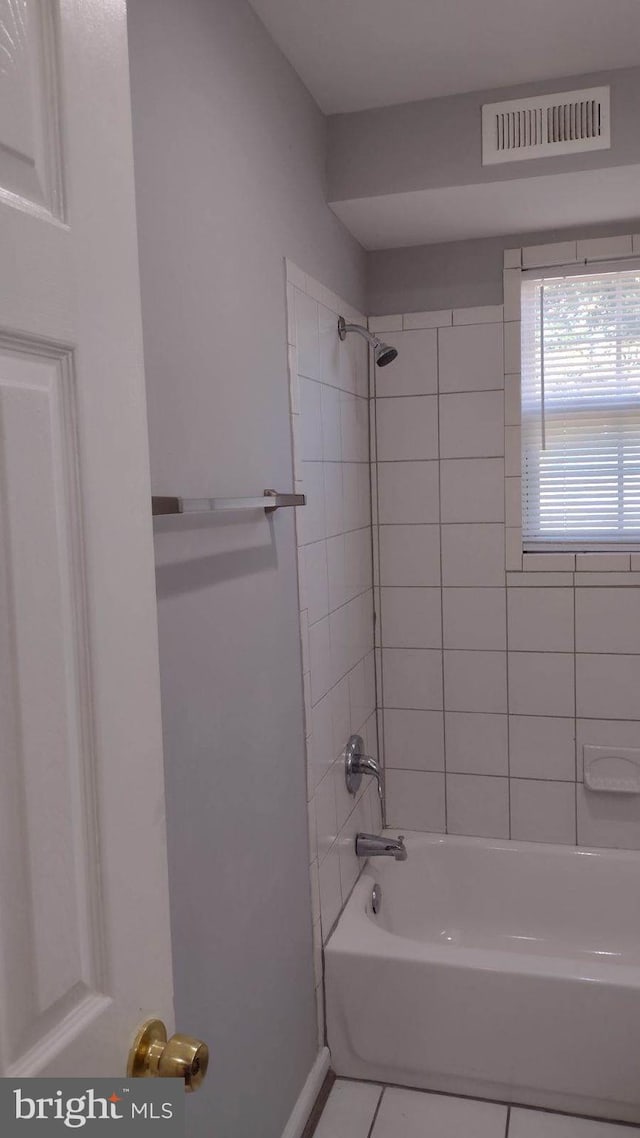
(274, 502)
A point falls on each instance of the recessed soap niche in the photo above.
(612, 771)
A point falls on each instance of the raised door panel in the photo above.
(30, 153)
(54, 978)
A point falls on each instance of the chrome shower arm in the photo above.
(344, 328)
(383, 353)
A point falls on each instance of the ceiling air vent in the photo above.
(567, 122)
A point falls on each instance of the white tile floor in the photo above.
(364, 1110)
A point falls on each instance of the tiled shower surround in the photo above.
(330, 433)
(492, 680)
(491, 674)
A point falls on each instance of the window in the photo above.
(581, 410)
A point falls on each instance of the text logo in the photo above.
(135, 1107)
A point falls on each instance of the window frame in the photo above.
(574, 258)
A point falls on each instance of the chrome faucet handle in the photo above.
(356, 763)
(366, 764)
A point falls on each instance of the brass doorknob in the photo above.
(154, 1056)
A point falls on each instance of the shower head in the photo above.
(383, 353)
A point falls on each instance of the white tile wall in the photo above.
(470, 358)
(607, 686)
(560, 253)
(316, 580)
(472, 489)
(603, 562)
(407, 428)
(330, 431)
(471, 425)
(475, 681)
(604, 248)
(512, 347)
(414, 740)
(487, 314)
(412, 677)
(542, 747)
(607, 819)
(415, 800)
(409, 555)
(307, 335)
(473, 555)
(320, 662)
(533, 664)
(385, 323)
(541, 683)
(512, 501)
(478, 805)
(474, 618)
(408, 492)
(427, 319)
(541, 620)
(607, 620)
(477, 743)
(410, 618)
(543, 811)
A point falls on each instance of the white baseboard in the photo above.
(308, 1095)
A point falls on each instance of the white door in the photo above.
(84, 928)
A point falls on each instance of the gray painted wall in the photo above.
(457, 274)
(437, 142)
(230, 159)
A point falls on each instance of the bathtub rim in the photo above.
(358, 933)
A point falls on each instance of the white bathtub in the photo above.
(505, 970)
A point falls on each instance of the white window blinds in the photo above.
(581, 410)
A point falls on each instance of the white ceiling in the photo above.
(354, 54)
(458, 213)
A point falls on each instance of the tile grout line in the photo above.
(506, 600)
(444, 715)
(429, 394)
(508, 1122)
(508, 1104)
(376, 1112)
(482, 774)
(516, 715)
(575, 714)
(494, 652)
(377, 589)
(478, 588)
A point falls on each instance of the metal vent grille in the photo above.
(565, 123)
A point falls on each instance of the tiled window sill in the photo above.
(564, 562)
(613, 569)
